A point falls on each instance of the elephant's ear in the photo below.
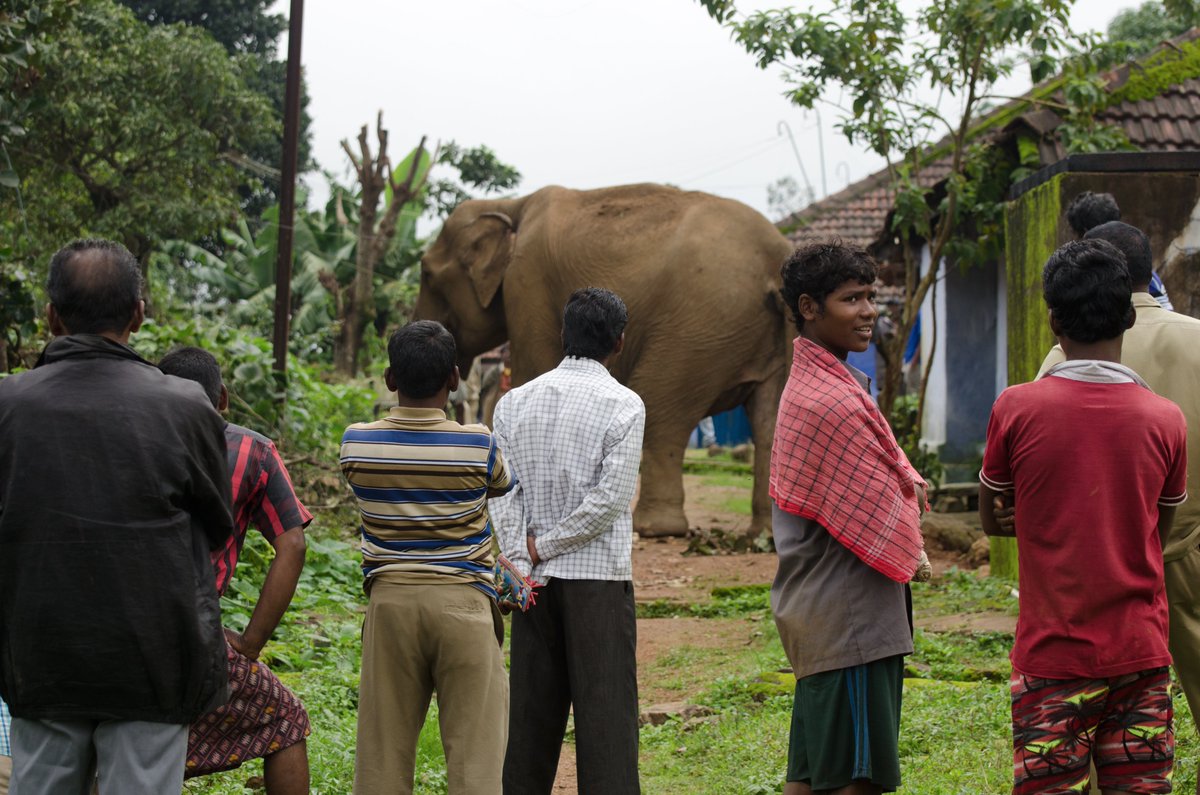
(488, 268)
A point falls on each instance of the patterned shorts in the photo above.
(1123, 724)
(262, 717)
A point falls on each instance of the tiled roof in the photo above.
(858, 214)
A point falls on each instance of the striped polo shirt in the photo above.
(422, 483)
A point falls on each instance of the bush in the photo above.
(315, 412)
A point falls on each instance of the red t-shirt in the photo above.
(1089, 464)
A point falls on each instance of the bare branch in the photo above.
(350, 154)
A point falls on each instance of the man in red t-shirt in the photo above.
(1097, 464)
(263, 718)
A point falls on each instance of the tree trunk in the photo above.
(893, 373)
(374, 174)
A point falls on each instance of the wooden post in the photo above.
(287, 187)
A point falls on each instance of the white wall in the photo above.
(933, 430)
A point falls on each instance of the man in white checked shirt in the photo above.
(5, 748)
(573, 441)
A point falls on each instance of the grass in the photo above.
(955, 734)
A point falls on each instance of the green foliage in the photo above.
(315, 413)
(908, 434)
(239, 25)
(315, 651)
(18, 316)
(251, 35)
(480, 172)
(26, 27)
(962, 657)
(1167, 68)
(959, 591)
(1146, 27)
(899, 70)
(129, 131)
(731, 602)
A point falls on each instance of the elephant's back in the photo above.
(627, 219)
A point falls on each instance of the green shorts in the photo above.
(846, 726)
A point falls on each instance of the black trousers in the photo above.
(575, 647)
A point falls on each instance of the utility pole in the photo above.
(287, 187)
(782, 127)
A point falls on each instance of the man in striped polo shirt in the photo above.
(422, 483)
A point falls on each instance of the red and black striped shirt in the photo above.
(262, 494)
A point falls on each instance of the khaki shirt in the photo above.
(1163, 347)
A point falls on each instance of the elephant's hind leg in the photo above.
(761, 409)
(659, 510)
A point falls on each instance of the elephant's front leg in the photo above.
(659, 510)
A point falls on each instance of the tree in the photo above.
(133, 134)
(894, 66)
(784, 197)
(251, 36)
(233, 282)
(480, 171)
(26, 28)
(239, 25)
(1146, 27)
(401, 192)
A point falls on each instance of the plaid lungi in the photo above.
(262, 717)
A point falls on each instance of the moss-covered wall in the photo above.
(1031, 233)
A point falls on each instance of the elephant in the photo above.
(700, 276)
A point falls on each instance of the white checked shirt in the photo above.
(573, 440)
(5, 729)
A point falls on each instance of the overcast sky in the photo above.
(580, 93)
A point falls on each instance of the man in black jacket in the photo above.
(113, 488)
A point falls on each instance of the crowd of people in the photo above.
(126, 498)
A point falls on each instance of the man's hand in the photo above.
(238, 643)
(1005, 512)
(997, 512)
(533, 555)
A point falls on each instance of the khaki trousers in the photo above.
(1183, 595)
(421, 639)
(5, 773)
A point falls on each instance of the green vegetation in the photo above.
(1166, 68)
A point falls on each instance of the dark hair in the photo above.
(1133, 245)
(593, 321)
(195, 364)
(1087, 288)
(422, 356)
(94, 286)
(1088, 210)
(817, 269)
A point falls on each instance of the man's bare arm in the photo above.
(995, 515)
(277, 591)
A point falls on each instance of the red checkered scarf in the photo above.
(836, 461)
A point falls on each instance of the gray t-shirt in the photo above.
(832, 610)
